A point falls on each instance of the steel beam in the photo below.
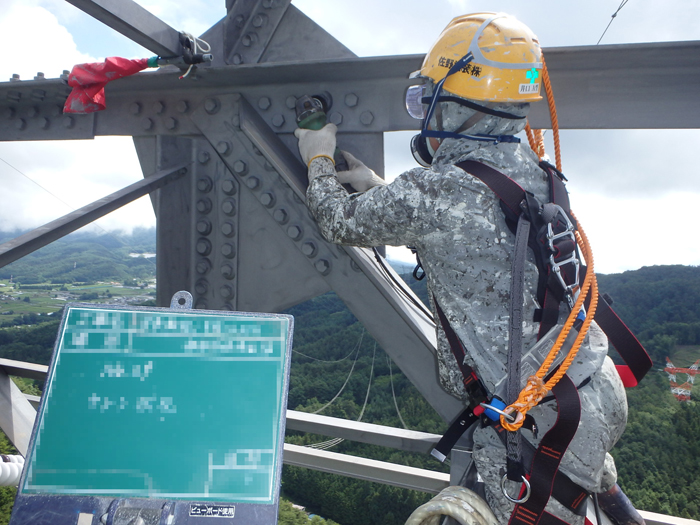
(16, 414)
(366, 469)
(383, 436)
(134, 22)
(40, 237)
(22, 369)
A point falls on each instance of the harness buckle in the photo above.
(508, 496)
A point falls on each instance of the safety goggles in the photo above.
(414, 101)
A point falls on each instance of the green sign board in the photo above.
(166, 404)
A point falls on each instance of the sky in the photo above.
(632, 190)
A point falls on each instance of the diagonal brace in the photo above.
(43, 235)
(134, 22)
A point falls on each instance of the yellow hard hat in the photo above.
(507, 61)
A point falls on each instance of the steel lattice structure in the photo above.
(682, 392)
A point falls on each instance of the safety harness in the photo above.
(548, 230)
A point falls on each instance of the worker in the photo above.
(477, 83)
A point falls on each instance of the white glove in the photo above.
(316, 143)
(359, 176)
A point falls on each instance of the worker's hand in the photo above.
(316, 143)
(359, 176)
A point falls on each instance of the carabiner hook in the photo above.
(505, 492)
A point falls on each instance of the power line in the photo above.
(622, 4)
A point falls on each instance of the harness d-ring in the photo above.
(505, 493)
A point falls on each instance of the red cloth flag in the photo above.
(89, 80)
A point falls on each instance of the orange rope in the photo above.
(536, 389)
(552, 113)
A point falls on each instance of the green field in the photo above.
(13, 301)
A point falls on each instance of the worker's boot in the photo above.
(619, 508)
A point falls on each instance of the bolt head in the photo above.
(68, 122)
(267, 199)
(367, 118)
(45, 123)
(259, 20)
(323, 266)
(227, 271)
(203, 157)
(147, 124)
(239, 21)
(182, 107)
(204, 226)
(278, 120)
(135, 108)
(171, 123)
(203, 266)
(240, 167)
(336, 118)
(228, 187)
(204, 205)
(224, 147)
(201, 287)
(228, 207)
(228, 251)
(9, 113)
(294, 232)
(212, 105)
(308, 249)
(291, 102)
(252, 182)
(281, 216)
(226, 291)
(351, 100)
(237, 59)
(228, 229)
(32, 111)
(204, 184)
(20, 124)
(264, 103)
(158, 107)
(203, 247)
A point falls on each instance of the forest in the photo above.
(339, 370)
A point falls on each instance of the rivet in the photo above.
(278, 120)
(203, 247)
(226, 291)
(224, 147)
(228, 272)
(9, 113)
(204, 205)
(211, 105)
(204, 226)
(240, 167)
(228, 229)
(158, 107)
(281, 216)
(21, 124)
(239, 21)
(336, 118)
(252, 182)
(228, 251)
(351, 100)
(135, 108)
(68, 122)
(32, 111)
(204, 184)
(267, 199)
(201, 304)
(366, 118)
(354, 266)
(201, 287)
(147, 124)
(259, 20)
(229, 207)
(237, 59)
(203, 157)
(45, 123)
(203, 266)
(264, 103)
(308, 249)
(182, 107)
(291, 102)
(249, 39)
(323, 266)
(294, 232)
(228, 187)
